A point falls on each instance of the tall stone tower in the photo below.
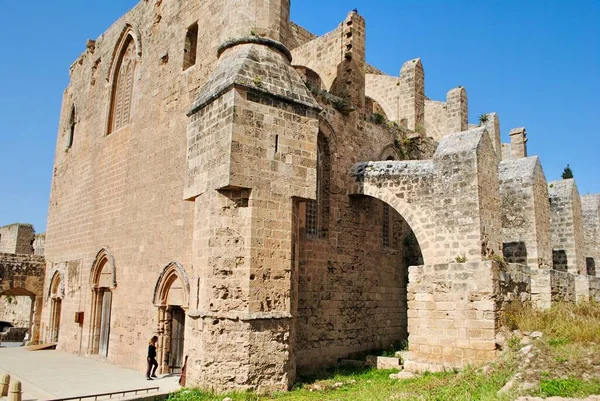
(252, 154)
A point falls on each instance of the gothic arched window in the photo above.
(123, 82)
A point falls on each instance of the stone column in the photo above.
(411, 106)
(457, 109)
(350, 81)
(492, 125)
(518, 143)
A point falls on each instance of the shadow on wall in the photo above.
(559, 260)
(515, 252)
(591, 266)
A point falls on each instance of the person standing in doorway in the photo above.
(152, 364)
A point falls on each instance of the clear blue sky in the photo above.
(536, 63)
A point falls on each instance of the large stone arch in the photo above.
(23, 276)
(413, 214)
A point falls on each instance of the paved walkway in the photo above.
(52, 374)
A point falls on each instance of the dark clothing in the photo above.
(151, 351)
(152, 364)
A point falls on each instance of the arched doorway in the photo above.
(56, 294)
(103, 283)
(171, 297)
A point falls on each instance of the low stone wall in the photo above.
(514, 283)
(16, 310)
(562, 286)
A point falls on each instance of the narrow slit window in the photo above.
(71, 128)
(191, 44)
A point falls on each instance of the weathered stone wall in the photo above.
(457, 108)
(525, 212)
(384, 89)
(123, 191)
(590, 206)
(39, 244)
(492, 125)
(453, 311)
(411, 108)
(567, 225)
(17, 238)
(15, 310)
(518, 143)
(322, 55)
(299, 36)
(563, 286)
(595, 288)
(23, 276)
(435, 119)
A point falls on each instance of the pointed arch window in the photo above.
(123, 83)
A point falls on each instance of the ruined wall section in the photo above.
(435, 119)
(17, 238)
(590, 205)
(16, 310)
(568, 244)
(457, 108)
(492, 125)
(525, 213)
(323, 55)
(39, 244)
(23, 276)
(299, 36)
(411, 107)
(124, 190)
(384, 89)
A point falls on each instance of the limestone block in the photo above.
(381, 362)
(518, 143)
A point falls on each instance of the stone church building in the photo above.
(254, 195)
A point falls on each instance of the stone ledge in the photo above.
(239, 316)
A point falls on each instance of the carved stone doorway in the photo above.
(171, 297)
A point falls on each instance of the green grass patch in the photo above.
(373, 385)
(564, 321)
(568, 387)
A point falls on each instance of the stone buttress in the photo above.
(252, 150)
